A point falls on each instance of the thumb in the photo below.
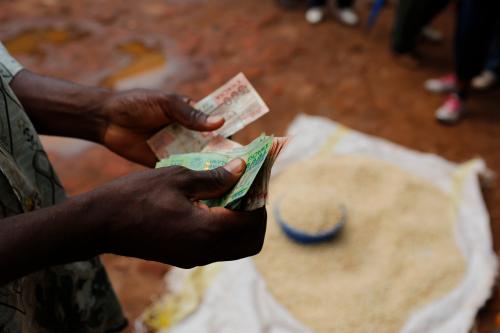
(181, 111)
(215, 183)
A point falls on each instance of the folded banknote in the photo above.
(237, 101)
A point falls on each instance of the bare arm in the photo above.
(122, 121)
(62, 108)
(63, 233)
(154, 215)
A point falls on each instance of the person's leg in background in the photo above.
(287, 4)
(316, 3)
(491, 73)
(476, 24)
(411, 17)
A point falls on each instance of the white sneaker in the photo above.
(451, 111)
(484, 80)
(347, 16)
(432, 34)
(315, 15)
(444, 84)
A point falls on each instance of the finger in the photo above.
(130, 145)
(188, 100)
(214, 183)
(182, 112)
(238, 234)
(143, 155)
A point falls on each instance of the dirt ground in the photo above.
(346, 74)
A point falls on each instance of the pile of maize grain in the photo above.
(396, 254)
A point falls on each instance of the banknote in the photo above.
(251, 190)
(256, 196)
(254, 155)
(237, 101)
(220, 144)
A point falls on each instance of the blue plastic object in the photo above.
(377, 7)
(306, 238)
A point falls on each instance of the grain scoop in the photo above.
(310, 215)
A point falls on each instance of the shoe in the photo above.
(451, 111)
(445, 84)
(347, 16)
(314, 15)
(432, 34)
(484, 80)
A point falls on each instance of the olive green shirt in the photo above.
(71, 298)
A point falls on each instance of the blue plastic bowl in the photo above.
(307, 238)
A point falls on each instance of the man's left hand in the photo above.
(133, 116)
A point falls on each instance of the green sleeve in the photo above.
(9, 66)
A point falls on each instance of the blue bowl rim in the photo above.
(306, 237)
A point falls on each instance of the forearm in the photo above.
(62, 108)
(56, 235)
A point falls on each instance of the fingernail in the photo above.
(212, 120)
(235, 166)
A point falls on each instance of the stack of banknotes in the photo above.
(239, 103)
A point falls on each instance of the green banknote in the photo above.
(253, 154)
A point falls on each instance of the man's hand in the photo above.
(122, 121)
(153, 215)
(157, 215)
(133, 116)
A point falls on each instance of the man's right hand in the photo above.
(153, 215)
(157, 215)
